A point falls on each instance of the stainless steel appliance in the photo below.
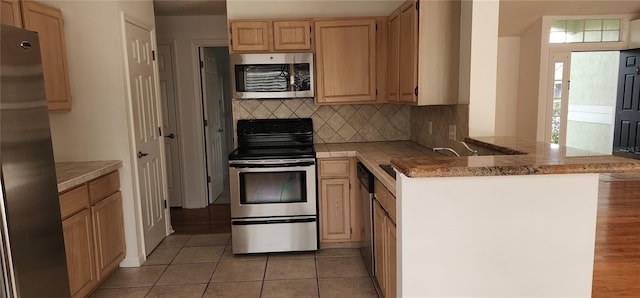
(366, 200)
(272, 75)
(32, 243)
(272, 176)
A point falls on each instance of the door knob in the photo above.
(171, 136)
(220, 130)
(142, 154)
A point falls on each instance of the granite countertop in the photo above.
(372, 154)
(74, 173)
(540, 158)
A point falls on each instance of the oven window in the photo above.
(263, 78)
(272, 187)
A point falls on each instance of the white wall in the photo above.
(243, 9)
(528, 79)
(483, 67)
(500, 236)
(97, 126)
(187, 31)
(507, 86)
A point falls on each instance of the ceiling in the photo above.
(517, 15)
(189, 7)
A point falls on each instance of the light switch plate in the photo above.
(452, 132)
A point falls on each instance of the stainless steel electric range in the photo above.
(272, 176)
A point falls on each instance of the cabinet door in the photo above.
(291, 35)
(10, 13)
(78, 242)
(250, 35)
(109, 233)
(379, 235)
(393, 69)
(408, 52)
(345, 61)
(335, 209)
(47, 21)
(390, 259)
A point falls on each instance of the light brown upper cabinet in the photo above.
(424, 50)
(345, 61)
(393, 51)
(10, 13)
(47, 21)
(291, 35)
(270, 35)
(250, 35)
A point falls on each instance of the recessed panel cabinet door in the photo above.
(47, 21)
(250, 35)
(379, 235)
(345, 61)
(393, 69)
(10, 13)
(408, 53)
(335, 212)
(78, 241)
(109, 233)
(291, 35)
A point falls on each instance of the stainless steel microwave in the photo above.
(273, 75)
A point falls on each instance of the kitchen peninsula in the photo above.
(500, 225)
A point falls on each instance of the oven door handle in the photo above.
(273, 165)
(272, 221)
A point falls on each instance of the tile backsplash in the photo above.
(334, 124)
(441, 117)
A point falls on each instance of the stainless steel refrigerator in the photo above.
(33, 252)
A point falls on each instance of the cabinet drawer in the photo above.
(73, 201)
(334, 168)
(103, 186)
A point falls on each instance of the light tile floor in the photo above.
(203, 266)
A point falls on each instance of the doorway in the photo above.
(584, 88)
(216, 111)
(214, 90)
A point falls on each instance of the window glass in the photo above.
(586, 30)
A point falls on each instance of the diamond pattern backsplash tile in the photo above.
(333, 124)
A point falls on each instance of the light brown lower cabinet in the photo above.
(78, 240)
(108, 227)
(384, 235)
(339, 212)
(93, 229)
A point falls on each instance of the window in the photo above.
(586, 30)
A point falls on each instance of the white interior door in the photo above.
(212, 103)
(148, 142)
(170, 124)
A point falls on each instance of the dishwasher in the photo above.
(366, 200)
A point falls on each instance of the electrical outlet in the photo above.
(452, 132)
(430, 127)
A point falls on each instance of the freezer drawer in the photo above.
(274, 234)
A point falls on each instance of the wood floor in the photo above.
(616, 270)
(214, 219)
(617, 253)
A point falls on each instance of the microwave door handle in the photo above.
(292, 77)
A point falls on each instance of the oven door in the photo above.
(263, 188)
